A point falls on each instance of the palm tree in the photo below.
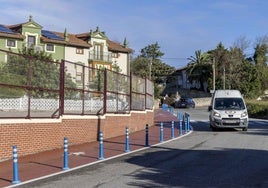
(199, 68)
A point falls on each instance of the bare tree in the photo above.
(261, 40)
(241, 43)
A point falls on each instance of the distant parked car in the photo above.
(185, 103)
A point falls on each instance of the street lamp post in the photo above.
(224, 77)
(213, 69)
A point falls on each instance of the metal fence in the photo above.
(34, 88)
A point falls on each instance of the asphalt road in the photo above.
(226, 158)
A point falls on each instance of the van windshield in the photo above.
(229, 104)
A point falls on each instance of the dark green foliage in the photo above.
(233, 70)
(250, 84)
(149, 65)
(152, 51)
(257, 109)
(199, 68)
(140, 66)
(160, 71)
(260, 60)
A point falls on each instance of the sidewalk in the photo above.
(51, 162)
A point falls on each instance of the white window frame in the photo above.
(31, 34)
(98, 50)
(11, 46)
(115, 55)
(80, 51)
(52, 51)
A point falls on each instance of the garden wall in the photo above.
(37, 135)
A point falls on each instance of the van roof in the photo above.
(227, 93)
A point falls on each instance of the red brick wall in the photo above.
(32, 136)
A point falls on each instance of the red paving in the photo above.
(50, 162)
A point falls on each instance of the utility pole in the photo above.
(224, 77)
(150, 67)
(214, 77)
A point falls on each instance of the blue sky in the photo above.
(179, 26)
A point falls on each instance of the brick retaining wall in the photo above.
(33, 136)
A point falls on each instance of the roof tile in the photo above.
(114, 46)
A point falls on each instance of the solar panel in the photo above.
(51, 35)
(4, 29)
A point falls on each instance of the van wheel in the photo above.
(245, 129)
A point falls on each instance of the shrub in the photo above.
(257, 109)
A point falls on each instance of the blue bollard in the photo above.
(147, 136)
(165, 107)
(187, 119)
(65, 154)
(185, 122)
(172, 129)
(171, 110)
(188, 123)
(101, 153)
(15, 166)
(180, 125)
(161, 132)
(127, 141)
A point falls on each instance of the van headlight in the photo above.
(216, 114)
(244, 114)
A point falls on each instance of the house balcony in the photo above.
(105, 57)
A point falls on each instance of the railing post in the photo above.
(145, 97)
(101, 153)
(172, 129)
(147, 135)
(161, 132)
(131, 91)
(83, 90)
(15, 166)
(65, 154)
(61, 86)
(105, 92)
(127, 140)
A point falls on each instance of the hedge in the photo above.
(257, 109)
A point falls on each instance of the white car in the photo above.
(228, 110)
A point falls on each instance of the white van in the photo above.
(228, 110)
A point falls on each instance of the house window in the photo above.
(115, 55)
(79, 77)
(79, 50)
(11, 43)
(50, 47)
(31, 41)
(98, 52)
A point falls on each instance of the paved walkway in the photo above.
(51, 162)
